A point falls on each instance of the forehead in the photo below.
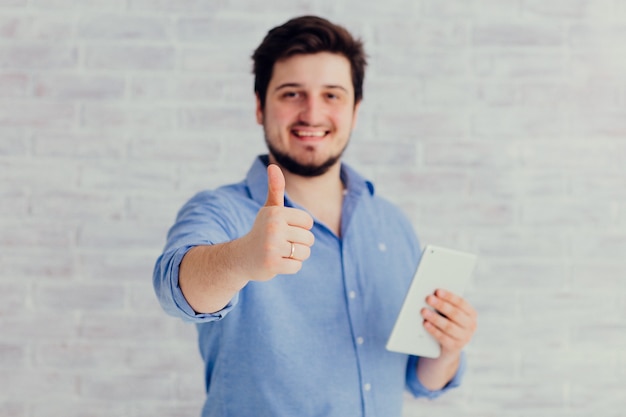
(313, 70)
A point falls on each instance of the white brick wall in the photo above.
(498, 125)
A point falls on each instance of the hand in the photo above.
(275, 230)
(456, 327)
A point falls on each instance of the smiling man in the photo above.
(295, 275)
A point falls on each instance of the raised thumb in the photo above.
(275, 186)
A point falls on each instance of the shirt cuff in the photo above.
(418, 390)
(185, 311)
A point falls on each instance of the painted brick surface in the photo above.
(497, 125)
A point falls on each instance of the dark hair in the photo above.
(307, 35)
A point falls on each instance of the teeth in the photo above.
(310, 134)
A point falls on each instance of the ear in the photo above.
(355, 114)
(259, 110)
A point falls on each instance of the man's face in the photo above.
(309, 112)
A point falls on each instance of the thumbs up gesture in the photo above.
(280, 239)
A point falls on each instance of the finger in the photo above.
(300, 236)
(450, 311)
(456, 301)
(446, 341)
(275, 186)
(443, 325)
(299, 252)
(298, 218)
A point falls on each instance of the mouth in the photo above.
(309, 135)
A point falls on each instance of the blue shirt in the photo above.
(313, 343)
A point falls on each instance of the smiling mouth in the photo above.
(306, 134)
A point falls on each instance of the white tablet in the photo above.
(438, 268)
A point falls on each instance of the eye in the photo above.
(291, 94)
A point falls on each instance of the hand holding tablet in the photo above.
(439, 268)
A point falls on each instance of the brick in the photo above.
(392, 63)
(79, 4)
(79, 146)
(126, 175)
(520, 275)
(14, 143)
(142, 297)
(12, 408)
(596, 157)
(568, 365)
(426, 34)
(103, 116)
(52, 263)
(12, 299)
(503, 183)
(611, 187)
(423, 183)
(597, 123)
(176, 147)
(233, 60)
(563, 306)
(190, 386)
(380, 152)
(120, 266)
(40, 386)
(602, 397)
(448, 9)
(493, 307)
(520, 337)
(39, 115)
(466, 214)
(534, 244)
(13, 84)
(31, 327)
(566, 213)
(71, 407)
(202, 118)
(155, 208)
(78, 87)
(167, 359)
(168, 6)
(606, 246)
(123, 57)
(474, 155)
(592, 95)
(490, 366)
(595, 63)
(222, 91)
(498, 123)
(512, 394)
(77, 205)
(116, 234)
(568, 9)
(424, 124)
(519, 64)
(610, 331)
(38, 56)
(201, 29)
(106, 326)
(12, 356)
(13, 201)
(73, 356)
(68, 297)
(601, 37)
(35, 234)
(516, 35)
(35, 28)
(150, 409)
(123, 27)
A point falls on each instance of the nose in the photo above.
(312, 111)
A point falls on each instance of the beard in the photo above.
(298, 168)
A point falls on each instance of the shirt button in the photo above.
(367, 387)
(359, 340)
(352, 295)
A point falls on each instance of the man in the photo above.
(295, 275)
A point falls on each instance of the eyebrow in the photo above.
(297, 85)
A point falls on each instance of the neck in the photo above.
(322, 195)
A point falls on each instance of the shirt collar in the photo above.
(256, 180)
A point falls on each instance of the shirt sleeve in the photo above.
(196, 224)
(416, 388)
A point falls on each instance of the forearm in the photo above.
(210, 276)
(435, 373)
